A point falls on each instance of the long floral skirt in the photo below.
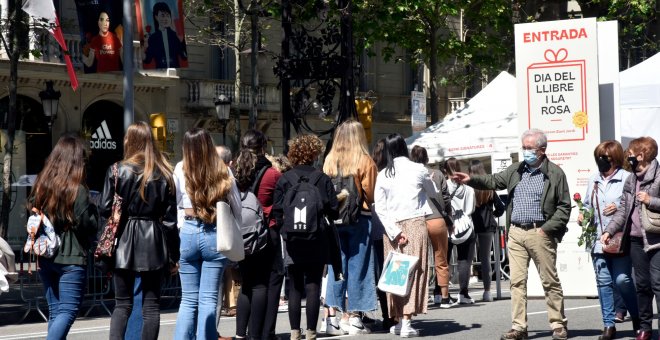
(416, 302)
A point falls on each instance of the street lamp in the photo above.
(50, 100)
(222, 109)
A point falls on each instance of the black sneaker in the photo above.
(448, 302)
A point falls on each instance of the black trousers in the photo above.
(124, 281)
(647, 280)
(275, 280)
(251, 309)
(379, 253)
(308, 277)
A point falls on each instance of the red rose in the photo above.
(577, 197)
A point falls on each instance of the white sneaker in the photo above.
(283, 307)
(396, 329)
(356, 326)
(487, 297)
(323, 326)
(465, 299)
(344, 325)
(437, 299)
(407, 331)
(332, 326)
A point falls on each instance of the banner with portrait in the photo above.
(161, 33)
(101, 33)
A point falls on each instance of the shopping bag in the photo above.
(396, 277)
(229, 236)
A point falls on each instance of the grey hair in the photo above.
(224, 153)
(541, 139)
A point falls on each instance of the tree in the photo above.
(227, 26)
(10, 29)
(457, 34)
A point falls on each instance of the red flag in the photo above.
(46, 10)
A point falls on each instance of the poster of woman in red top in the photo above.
(101, 34)
(104, 52)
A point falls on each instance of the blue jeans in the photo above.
(200, 269)
(358, 264)
(64, 287)
(134, 327)
(612, 271)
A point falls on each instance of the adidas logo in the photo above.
(101, 139)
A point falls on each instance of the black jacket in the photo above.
(148, 235)
(326, 249)
(483, 216)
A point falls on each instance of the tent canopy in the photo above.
(487, 124)
(640, 100)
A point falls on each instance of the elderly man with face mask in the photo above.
(540, 206)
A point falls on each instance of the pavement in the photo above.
(483, 320)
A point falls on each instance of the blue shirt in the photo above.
(527, 197)
(609, 191)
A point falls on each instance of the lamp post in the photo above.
(50, 101)
(222, 109)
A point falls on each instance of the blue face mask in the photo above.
(530, 156)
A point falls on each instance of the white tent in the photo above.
(640, 100)
(487, 124)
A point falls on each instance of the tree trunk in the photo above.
(433, 73)
(252, 122)
(237, 56)
(14, 55)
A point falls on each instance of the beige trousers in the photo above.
(529, 244)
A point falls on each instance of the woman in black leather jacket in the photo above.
(148, 239)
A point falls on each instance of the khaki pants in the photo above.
(437, 229)
(529, 244)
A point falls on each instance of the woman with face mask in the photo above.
(642, 187)
(613, 272)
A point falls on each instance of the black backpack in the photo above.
(349, 207)
(254, 226)
(303, 208)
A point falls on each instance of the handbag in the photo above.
(397, 275)
(229, 240)
(42, 239)
(105, 249)
(613, 247)
(650, 220)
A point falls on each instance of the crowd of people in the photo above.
(329, 227)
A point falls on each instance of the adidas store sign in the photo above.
(101, 139)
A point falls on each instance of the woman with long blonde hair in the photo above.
(60, 193)
(353, 173)
(147, 237)
(202, 179)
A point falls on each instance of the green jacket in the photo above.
(556, 200)
(76, 241)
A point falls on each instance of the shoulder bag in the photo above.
(614, 246)
(650, 220)
(229, 238)
(107, 244)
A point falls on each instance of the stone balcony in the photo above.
(201, 94)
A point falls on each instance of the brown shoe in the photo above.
(514, 334)
(560, 333)
(609, 333)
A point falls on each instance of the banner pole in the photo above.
(128, 65)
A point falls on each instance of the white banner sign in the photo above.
(418, 109)
(557, 74)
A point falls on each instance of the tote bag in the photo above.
(396, 277)
(229, 236)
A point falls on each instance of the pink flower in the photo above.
(577, 197)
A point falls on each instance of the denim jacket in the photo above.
(608, 192)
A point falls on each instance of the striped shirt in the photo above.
(527, 197)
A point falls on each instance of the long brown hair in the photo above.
(56, 187)
(482, 196)
(207, 177)
(349, 146)
(379, 154)
(140, 150)
(252, 146)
